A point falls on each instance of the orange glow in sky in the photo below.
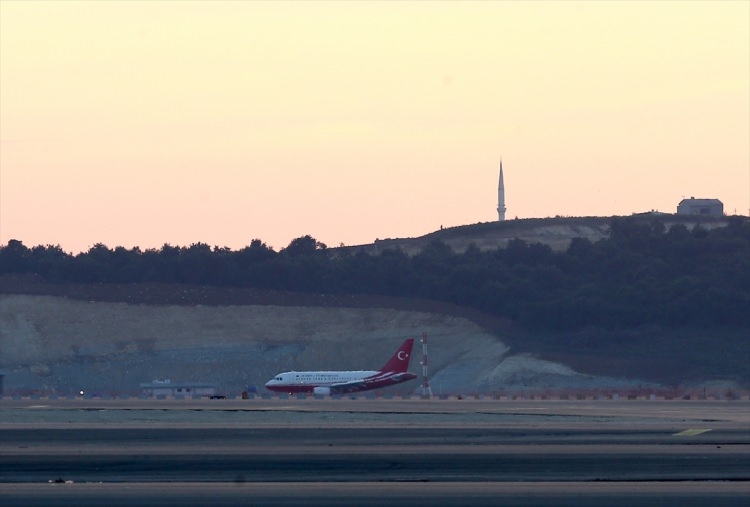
(143, 123)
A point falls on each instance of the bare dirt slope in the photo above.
(90, 338)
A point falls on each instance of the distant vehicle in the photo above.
(339, 382)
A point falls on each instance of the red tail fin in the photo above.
(399, 362)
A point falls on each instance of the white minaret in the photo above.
(501, 196)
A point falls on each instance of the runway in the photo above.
(371, 452)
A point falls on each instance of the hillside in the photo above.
(61, 338)
(556, 232)
(110, 337)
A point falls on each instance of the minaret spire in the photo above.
(501, 196)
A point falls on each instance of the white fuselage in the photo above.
(299, 381)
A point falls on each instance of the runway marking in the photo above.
(690, 432)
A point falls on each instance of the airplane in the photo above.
(338, 382)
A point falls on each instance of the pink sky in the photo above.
(144, 123)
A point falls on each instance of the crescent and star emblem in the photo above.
(402, 355)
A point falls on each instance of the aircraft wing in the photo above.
(346, 387)
(403, 376)
(365, 383)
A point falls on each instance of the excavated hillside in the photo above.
(110, 339)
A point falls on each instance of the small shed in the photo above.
(703, 207)
(169, 388)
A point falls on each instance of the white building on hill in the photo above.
(705, 207)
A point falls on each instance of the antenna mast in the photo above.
(426, 391)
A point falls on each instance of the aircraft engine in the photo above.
(325, 391)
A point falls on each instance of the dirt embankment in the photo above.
(112, 338)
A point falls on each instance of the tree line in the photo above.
(643, 274)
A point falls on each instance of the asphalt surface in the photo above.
(374, 452)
